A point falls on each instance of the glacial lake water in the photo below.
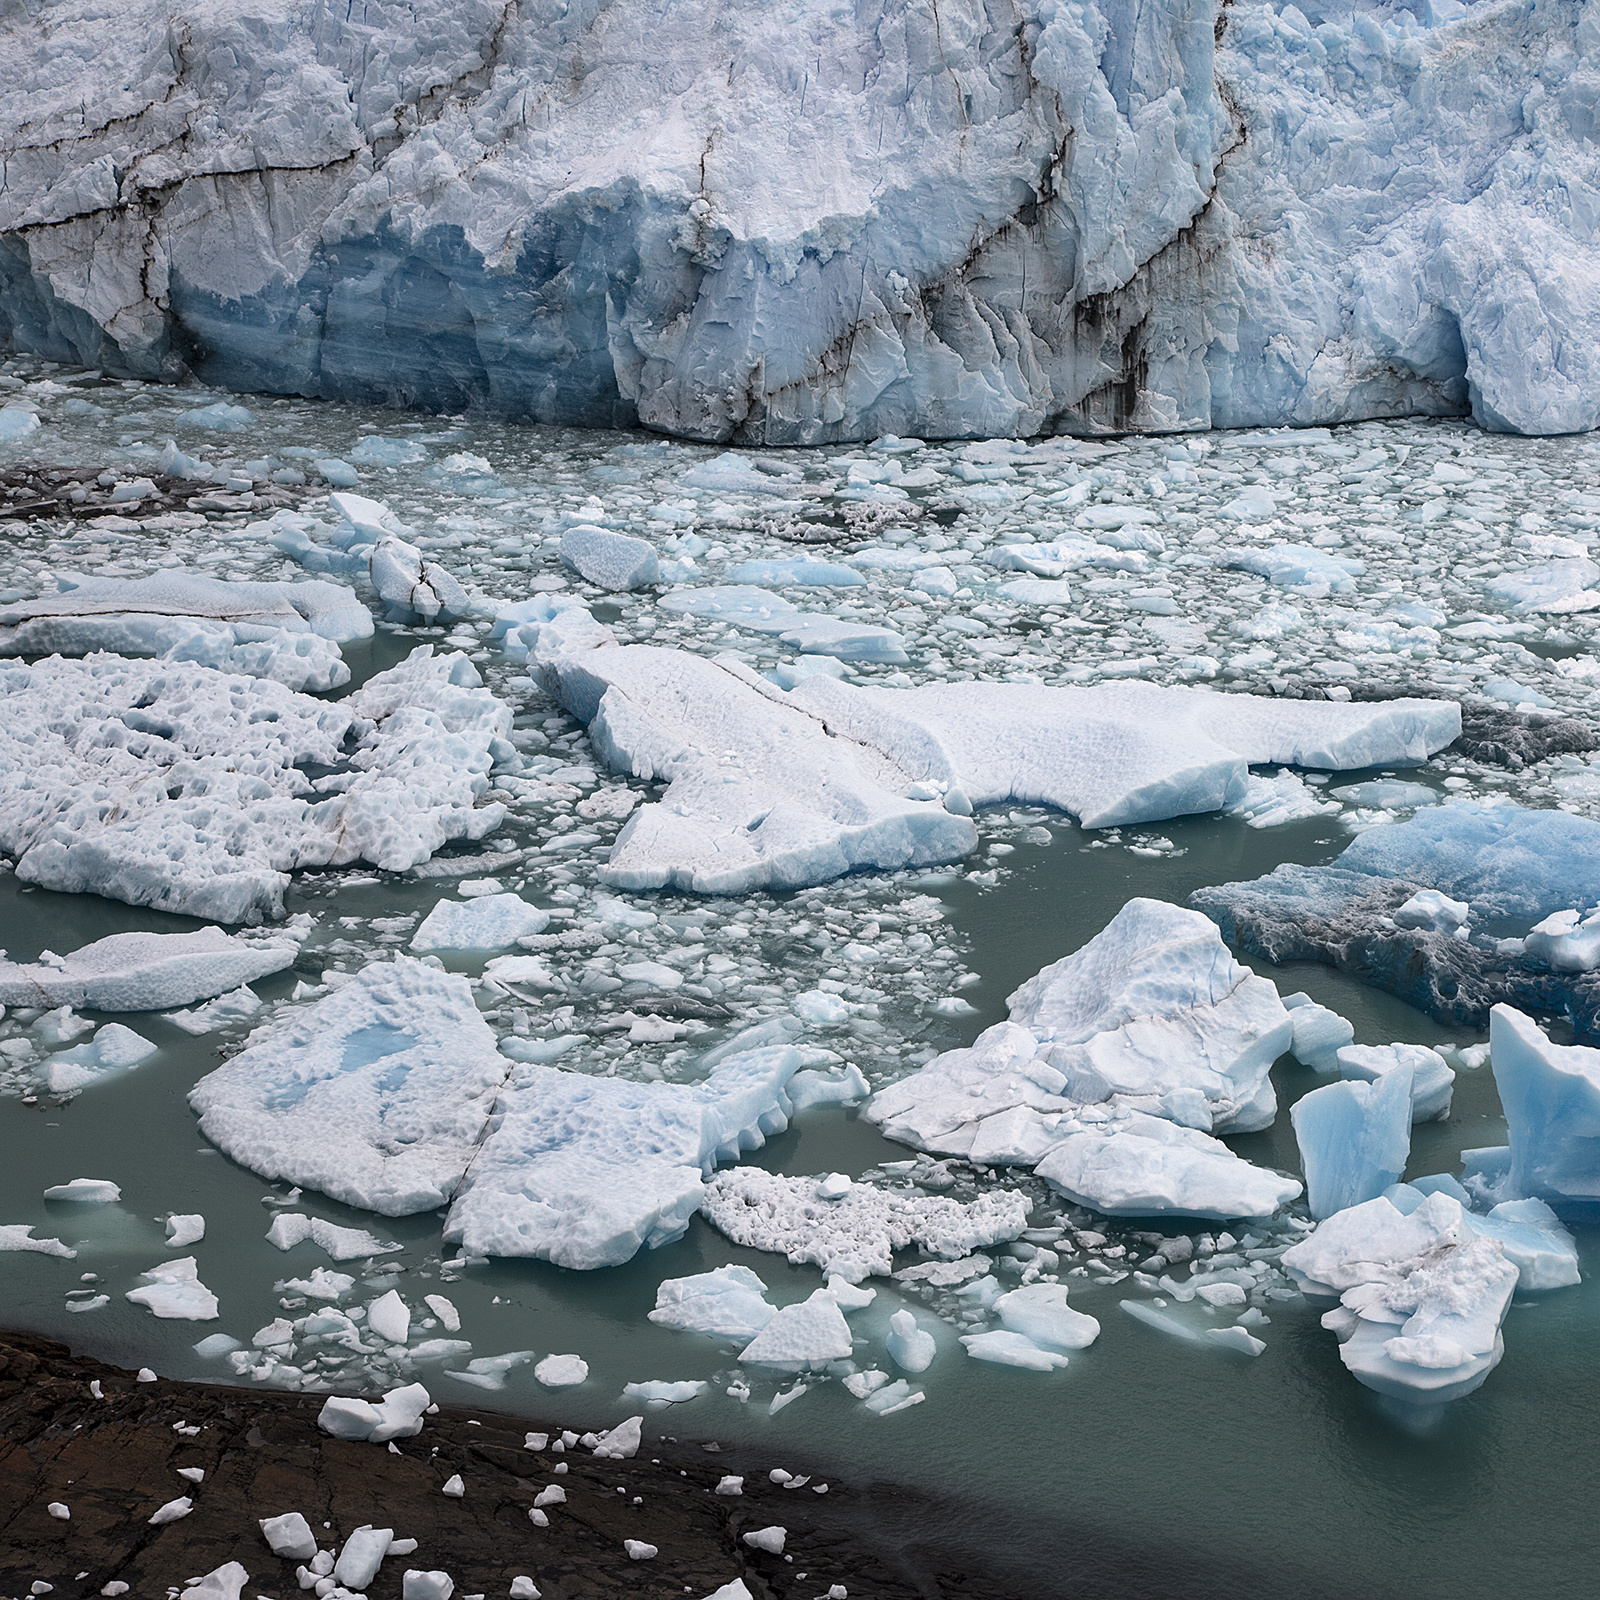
(1148, 1467)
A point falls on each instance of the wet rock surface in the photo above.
(113, 1459)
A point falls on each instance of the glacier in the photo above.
(826, 224)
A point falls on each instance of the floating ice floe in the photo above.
(610, 560)
(1399, 907)
(1118, 1064)
(1422, 1294)
(852, 1232)
(290, 1228)
(287, 632)
(174, 1290)
(1551, 1097)
(485, 922)
(145, 971)
(391, 1095)
(113, 1049)
(17, 1238)
(810, 1333)
(727, 1302)
(774, 789)
(180, 787)
(86, 1191)
(1354, 1139)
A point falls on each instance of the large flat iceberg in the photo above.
(181, 787)
(777, 790)
(1118, 1065)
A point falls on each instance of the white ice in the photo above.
(91, 1191)
(610, 560)
(180, 787)
(485, 922)
(113, 1049)
(852, 1234)
(1354, 1138)
(810, 1333)
(1118, 1063)
(145, 971)
(174, 1290)
(728, 1302)
(397, 1416)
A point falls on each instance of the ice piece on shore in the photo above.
(1422, 1295)
(185, 1229)
(611, 560)
(808, 1334)
(397, 1416)
(586, 1171)
(622, 1442)
(1354, 1139)
(911, 1348)
(17, 1237)
(377, 1095)
(1006, 1348)
(289, 1536)
(92, 1191)
(1432, 1078)
(854, 1235)
(1114, 1063)
(1126, 1163)
(562, 1372)
(174, 1291)
(1551, 1097)
(114, 1048)
(728, 1302)
(1039, 1311)
(361, 1556)
(416, 1585)
(290, 1228)
(182, 787)
(145, 971)
(485, 922)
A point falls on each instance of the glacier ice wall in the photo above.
(819, 222)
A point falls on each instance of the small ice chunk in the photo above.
(361, 1556)
(397, 1416)
(225, 1583)
(289, 1536)
(1566, 941)
(113, 1049)
(172, 1511)
(185, 1228)
(728, 1302)
(524, 1588)
(1430, 909)
(1040, 1312)
(658, 1393)
(769, 1539)
(1432, 1079)
(808, 1334)
(613, 561)
(484, 922)
(90, 1191)
(1235, 1338)
(1319, 1034)
(174, 1291)
(427, 1586)
(1354, 1139)
(638, 1550)
(1008, 1349)
(290, 1228)
(454, 1488)
(444, 1310)
(489, 1372)
(562, 1372)
(389, 1318)
(911, 1348)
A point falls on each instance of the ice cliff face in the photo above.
(818, 222)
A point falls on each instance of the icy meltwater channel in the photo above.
(1390, 554)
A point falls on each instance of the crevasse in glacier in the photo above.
(830, 224)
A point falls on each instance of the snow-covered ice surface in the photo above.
(984, 223)
(627, 1002)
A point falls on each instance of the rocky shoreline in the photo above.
(80, 1434)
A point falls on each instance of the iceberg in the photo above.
(487, 922)
(1398, 909)
(932, 264)
(182, 787)
(853, 1234)
(1422, 1295)
(1354, 1139)
(727, 1302)
(610, 560)
(1551, 1097)
(1117, 1065)
(1432, 1078)
(145, 971)
(114, 1048)
(376, 1095)
(783, 789)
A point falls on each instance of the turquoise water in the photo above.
(1148, 1467)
